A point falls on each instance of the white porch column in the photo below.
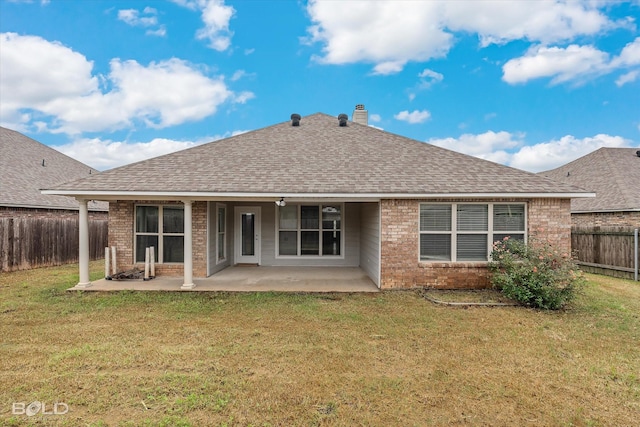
(188, 246)
(83, 250)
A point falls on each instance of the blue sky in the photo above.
(530, 84)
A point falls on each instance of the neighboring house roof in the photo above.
(612, 173)
(26, 166)
(318, 158)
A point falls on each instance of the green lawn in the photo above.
(271, 359)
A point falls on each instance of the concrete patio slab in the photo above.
(253, 279)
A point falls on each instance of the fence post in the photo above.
(635, 261)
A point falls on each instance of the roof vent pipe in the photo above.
(360, 115)
(295, 119)
(342, 119)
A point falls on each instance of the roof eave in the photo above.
(194, 195)
(587, 211)
(53, 208)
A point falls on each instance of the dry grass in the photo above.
(289, 359)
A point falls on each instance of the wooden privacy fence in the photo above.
(605, 250)
(38, 242)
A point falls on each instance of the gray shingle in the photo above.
(612, 173)
(318, 157)
(22, 174)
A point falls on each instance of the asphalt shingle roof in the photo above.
(318, 157)
(612, 173)
(22, 173)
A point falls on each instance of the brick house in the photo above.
(614, 175)
(321, 191)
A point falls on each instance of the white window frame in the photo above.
(160, 249)
(224, 233)
(454, 231)
(320, 231)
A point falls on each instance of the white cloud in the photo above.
(132, 17)
(160, 31)
(413, 117)
(107, 154)
(555, 153)
(489, 145)
(375, 118)
(564, 64)
(23, 84)
(161, 94)
(216, 17)
(510, 149)
(629, 77)
(189, 4)
(498, 22)
(390, 34)
(148, 19)
(240, 74)
(428, 78)
(629, 56)
(389, 67)
(243, 97)
(387, 34)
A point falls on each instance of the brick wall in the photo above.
(121, 235)
(199, 218)
(598, 219)
(550, 220)
(400, 265)
(11, 212)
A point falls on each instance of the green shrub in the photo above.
(535, 275)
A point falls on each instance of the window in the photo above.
(163, 228)
(310, 230)
(221, 231)
(466, 231)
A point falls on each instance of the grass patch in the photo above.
(267, 359)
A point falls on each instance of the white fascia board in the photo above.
(51, 208)
(607, 211)
(155, 195)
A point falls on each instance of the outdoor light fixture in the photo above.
(281, 202)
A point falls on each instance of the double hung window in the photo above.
(160, 226)
(310, 230)
(466, 231)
